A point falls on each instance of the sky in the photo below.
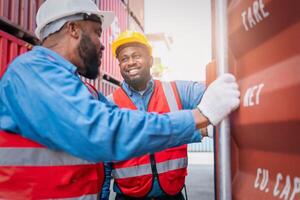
(188, 22)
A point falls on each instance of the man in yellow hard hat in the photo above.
(157, 175)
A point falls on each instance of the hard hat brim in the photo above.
(107, 17)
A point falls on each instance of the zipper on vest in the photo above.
(153, 165)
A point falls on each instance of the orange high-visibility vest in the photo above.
(29, 170)
(135, 177)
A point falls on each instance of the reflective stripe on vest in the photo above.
(171, 100)
(31, 171)
(140, 170)
(37, 157)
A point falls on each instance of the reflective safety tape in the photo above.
(141, 170)
(171, 99)
(132, 171)
(85, 197)
(37, 157)
(171, 165)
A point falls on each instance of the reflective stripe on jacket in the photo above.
(135, 177)
(28, 170)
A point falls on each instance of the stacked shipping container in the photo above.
(20, 14)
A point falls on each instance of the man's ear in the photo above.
(73, 29)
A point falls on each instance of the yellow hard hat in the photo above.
(130, 37)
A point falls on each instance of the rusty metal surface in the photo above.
(265, 57)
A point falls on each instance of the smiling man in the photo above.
(159, 175)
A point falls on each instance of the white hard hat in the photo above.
(54, 10)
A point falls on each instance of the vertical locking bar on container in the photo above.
(224, 169)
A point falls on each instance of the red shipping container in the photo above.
(20, 13)
(264, 54)
(10, 47)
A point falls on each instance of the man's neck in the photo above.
(57, 48)
(63, 51)
(141, 86)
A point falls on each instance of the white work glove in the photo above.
(220, 98)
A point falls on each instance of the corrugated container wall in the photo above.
(264, 55)
(20, 13)
(107, 87)
(10, 47)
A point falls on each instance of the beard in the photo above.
(90, 57)
(137, 81)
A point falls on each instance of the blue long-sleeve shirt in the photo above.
(190, 95)
(42, 98)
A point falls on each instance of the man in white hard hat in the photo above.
(71, 17)
(43, 100)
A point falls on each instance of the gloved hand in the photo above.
(220, 98)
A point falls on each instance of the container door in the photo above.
(264, 46)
